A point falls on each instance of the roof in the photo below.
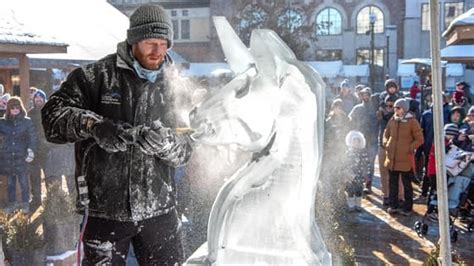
(466, 18)
(327, 69)
(13, 31)
(91, 28)
(458, 53)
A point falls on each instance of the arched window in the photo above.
(328, 22)
(364, 18)
(290, 19)
(252, 17)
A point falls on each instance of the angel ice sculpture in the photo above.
(274, 108)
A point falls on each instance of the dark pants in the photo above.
(408, 189)
(35, 178)
(156, 241)
(425, 187)
(432, 193)
(355, 187)
(25, 190)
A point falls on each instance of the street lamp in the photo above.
(387, 60)
(372, 19)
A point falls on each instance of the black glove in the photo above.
(155, 140)
(110, 136)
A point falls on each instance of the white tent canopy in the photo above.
(330, 69)
(355, 70)
(407, 67)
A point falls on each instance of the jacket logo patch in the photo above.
(111, 98)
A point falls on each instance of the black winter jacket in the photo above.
(125, 186)
(16, 136)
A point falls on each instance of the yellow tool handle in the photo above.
(182, 130)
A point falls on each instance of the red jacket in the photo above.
(414, 90)
(432, 159)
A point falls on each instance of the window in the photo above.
(363, 20)
(173, 13)
(328, 55)
(185, 13)
(363, 57)
(451, 11)
(185, 29)
(425, 17)
(290, 19)
(328, 22)
(175, 29)
(252, 17)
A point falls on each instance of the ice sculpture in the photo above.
(274, 107)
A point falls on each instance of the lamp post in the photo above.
(372, 19)
(387, 60)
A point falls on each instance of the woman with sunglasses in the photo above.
(402, 137)
(17, 143)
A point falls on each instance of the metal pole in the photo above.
(372, 56)
(441, 182)
(388, 53)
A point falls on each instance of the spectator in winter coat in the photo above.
(463, 141)
(364, 119)
(347, 97)
(118, 112)
(3, 103)
(391, 88)
(358, 166)
(402, 137)
(336, 128)
(456, 116)
(39, 99)
(414, 90)
(468, 124)
(384, 115)
(465, 90)
(17, 146)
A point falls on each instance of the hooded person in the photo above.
(39, 164)
(349, 100)
(358, 165)
(17, 150)
(118, 113)
(457, 115)
(391, 88)
(402, 136)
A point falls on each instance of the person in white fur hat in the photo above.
(358, 165)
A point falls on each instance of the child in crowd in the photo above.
(451, 132)
(359, 168)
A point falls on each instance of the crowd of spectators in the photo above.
(25, 155)
(396, 127)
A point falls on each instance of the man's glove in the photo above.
(110, 136)
(156, 139)
(30, 157)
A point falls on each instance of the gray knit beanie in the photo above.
(402, 103)
(150, 21)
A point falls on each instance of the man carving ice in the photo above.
(118, 113)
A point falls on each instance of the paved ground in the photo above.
(380, 238)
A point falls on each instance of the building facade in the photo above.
(191, 24)
(416, 39)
